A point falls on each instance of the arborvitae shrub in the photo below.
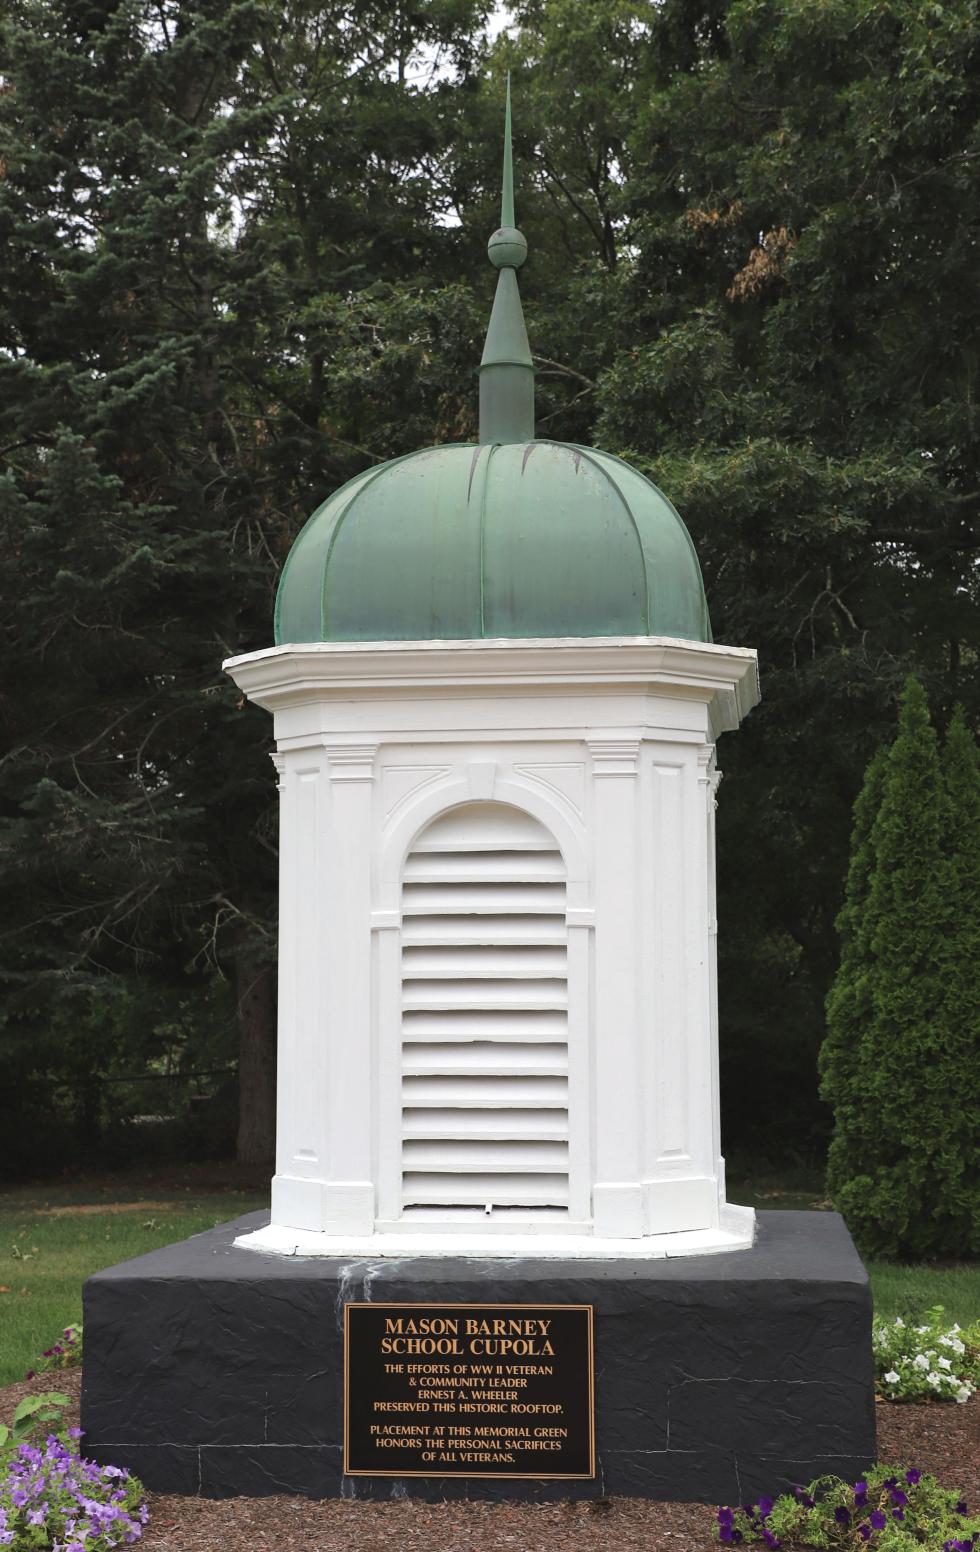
(899, 1064)
(849, 1002)
(960, 961)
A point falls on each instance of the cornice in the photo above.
(727, 678)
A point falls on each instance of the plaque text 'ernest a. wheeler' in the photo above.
(488, 1390)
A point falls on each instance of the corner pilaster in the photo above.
(617, 1198)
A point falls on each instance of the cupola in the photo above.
(496, 705)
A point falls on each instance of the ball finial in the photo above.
(507, 248)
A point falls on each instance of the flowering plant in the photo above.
(890, 1510)
(51, 1498)
(28, 1413)
(65, 1354)
(924, 1360)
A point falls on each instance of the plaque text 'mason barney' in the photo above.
(479, 1390)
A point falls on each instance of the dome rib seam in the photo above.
(338, 525)
(297, 544)
(691, 546)
(491, 449)
(585, 453)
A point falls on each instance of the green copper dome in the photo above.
(511, 537)
(521, 539)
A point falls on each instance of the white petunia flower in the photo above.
(920, 1361)
(921, 1330)
(944, 1363)
(900, 1322)
(957, 1346)
(891, 1377)
(964, 1393)
(934, 1379)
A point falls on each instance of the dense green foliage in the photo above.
(931, 1358)
(243, 259)
(960, 968)
(896, 1508)
(899, 1063)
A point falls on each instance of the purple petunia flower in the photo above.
(913, 1477)
(725, 1515)
(765, 1506)
(842, 1516)
(898, 1497)
(878, 1521)
(898, 1514)
(725, 1532)
(961, 1506)
(865, 1532)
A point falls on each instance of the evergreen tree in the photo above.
(849, 1004)
(895, 1071)
(960, 968)
(244, 259)
(204, 208)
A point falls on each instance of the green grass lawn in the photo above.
(53, 1237)
(896, 1289)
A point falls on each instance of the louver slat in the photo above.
(486, 1124)
(484, 1023)
(481, 898)
(496, 962)
(483, 931)
(480, 1024)
(484, 1059)
(480, 1190)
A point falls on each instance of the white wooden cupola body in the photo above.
(497, 993)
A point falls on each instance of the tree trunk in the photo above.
(255, 998)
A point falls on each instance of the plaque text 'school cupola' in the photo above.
(496, 704)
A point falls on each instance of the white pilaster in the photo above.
(301, 1141)
(617, 1197)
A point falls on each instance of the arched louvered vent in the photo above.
(484, 1018)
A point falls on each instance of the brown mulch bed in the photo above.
(942, 1439)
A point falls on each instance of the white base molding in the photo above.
(736, 1231)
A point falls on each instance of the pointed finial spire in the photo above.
(507, 179)
(506, 371)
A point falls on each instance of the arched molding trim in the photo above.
(399, 837)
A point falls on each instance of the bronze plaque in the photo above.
(469, 1390)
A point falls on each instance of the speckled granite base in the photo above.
(210, 1369)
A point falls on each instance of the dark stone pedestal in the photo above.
(216, 1370)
